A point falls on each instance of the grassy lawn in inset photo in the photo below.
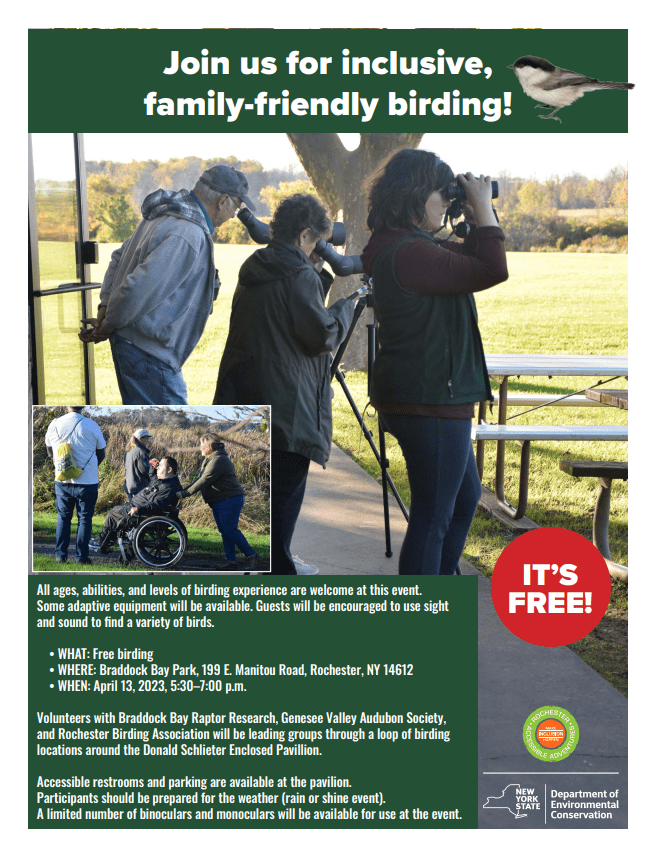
(201, 542)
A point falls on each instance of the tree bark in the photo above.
(339, 177)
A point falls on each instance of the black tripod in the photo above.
(366, 300)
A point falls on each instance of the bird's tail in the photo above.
(608, 84)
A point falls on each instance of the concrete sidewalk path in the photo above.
(341, 530)
(341, 526)
(516, 678)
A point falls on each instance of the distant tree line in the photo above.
(570, 213)
(570, 192)
(559, 213)
(116, 190)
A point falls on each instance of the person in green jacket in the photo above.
(430, 369)
(278, 353)
(221, 490)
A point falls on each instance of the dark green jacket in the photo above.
(217, 480)
(278, 348)
(430, 348)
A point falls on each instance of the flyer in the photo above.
(361, 702)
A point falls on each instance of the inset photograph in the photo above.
(151, 489)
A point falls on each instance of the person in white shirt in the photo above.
(88, 447)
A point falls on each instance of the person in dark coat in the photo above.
(277, 353)
(221, 490)
(137, 463)
(156, 498)
(430, 369)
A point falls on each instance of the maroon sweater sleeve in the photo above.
(477, 264)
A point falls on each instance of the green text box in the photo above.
(381, 732)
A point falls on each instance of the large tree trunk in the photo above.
(339, 177)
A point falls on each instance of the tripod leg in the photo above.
(384, 464)
(380, 456)
(367, 434)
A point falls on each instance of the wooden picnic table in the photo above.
(506, 366)
(606, 472)
(616, 398)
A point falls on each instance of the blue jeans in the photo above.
(143, 379)
(288, 480)
(445, 489)
(227, 515)
(68, 497)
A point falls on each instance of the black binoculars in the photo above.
(457, 192)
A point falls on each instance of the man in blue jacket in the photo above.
(156, 498)
(158, 290)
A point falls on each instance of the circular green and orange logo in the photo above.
(550, 733)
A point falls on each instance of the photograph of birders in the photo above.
(147, 490)
(408, 304)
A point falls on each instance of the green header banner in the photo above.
(256, 80)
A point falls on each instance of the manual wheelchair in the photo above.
(156, 541)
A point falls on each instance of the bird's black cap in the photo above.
(533, 62)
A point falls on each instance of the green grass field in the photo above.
(553, 303)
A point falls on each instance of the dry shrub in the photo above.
(254, 518)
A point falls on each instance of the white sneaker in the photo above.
(302, 568)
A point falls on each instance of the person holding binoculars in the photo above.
(430, 369)
(277, 353)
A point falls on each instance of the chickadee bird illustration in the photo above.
(556, 87)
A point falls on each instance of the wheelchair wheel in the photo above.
(159, 541)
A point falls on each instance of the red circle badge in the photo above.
(550, 586)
